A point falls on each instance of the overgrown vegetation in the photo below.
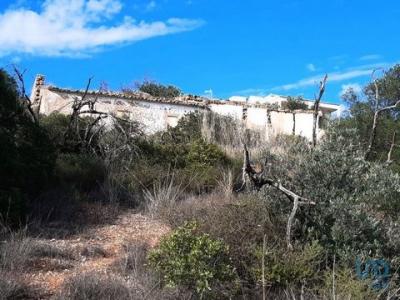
(289, 220)
(158, 90)
(194, 261)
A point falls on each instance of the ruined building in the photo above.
(156, 114)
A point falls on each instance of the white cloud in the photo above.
(311, 67)
(371, 57)
(354, 86)
(77, 27)
(338, 76)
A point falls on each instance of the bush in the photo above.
(159, 90)
(81, 171)
(196, 164)
(26, 153)
(352, 195)
(192, 260)
(285, 268)
(347, 286)
(240, 222)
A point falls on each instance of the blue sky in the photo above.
(232, 47)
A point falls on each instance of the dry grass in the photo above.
(226, 183)
(50, 264)
(94, 286)
(20, 253)
(93, 251)
(163, 196)
(133, 263)
(12, 289)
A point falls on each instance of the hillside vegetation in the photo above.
(204, 210)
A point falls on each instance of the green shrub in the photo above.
(56, 125)
(347, 286)
(195, 163)
(205, 154)
(159, 90)
(355, 199)
(241, 223)
(26, 153)
(192, 260)
(290, 268)
(80, 170)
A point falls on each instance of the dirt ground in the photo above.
(97, 249)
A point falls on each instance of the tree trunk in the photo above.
(294, 124)
(258, 179)
(316, 109)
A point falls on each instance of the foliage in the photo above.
(347, 286)
(26, 153)
(362, 108)
(290, 268)
(159, 90)
(355, 200)
(294, 104)
(82, 171)
(194, 161)
(196, 261)
(241, 223)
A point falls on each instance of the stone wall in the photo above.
(156, 114)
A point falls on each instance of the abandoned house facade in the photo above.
(156, 114)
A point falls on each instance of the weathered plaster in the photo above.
(156, 114)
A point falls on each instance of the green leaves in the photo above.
(159, 90)
(192, 260)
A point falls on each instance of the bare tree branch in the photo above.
(322, 86)
(258, 179)
(26, 100)
(392, 145)
(377, 113)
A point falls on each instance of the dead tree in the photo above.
(26, 101)
(378, 112)
(258, 179)
(123, 130)
(392, 145)
(318, 98)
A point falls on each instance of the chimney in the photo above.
(39, 83)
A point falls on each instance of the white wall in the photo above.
(154, 116)
(235, 111)
(157, 116)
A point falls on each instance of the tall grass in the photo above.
(163, 196)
